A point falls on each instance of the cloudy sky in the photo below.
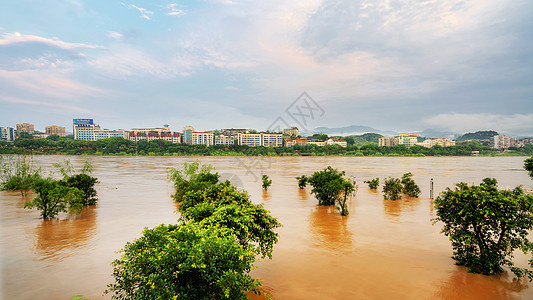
(401, 65)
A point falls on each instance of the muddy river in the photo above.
(383, 250)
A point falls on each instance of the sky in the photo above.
(405, 66)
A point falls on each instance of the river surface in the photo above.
(383, 250)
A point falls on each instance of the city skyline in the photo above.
(404, 66)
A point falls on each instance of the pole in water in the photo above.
(431, 189)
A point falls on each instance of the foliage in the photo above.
(85, 184)
(18, 173)
(302, 181)
(266, 182)
(478, 135)
(25, 135)
(392, 189)
(373, 183)
(330, 188)
(193, 177)
(528, 165)
(410, 188)
(221, 193)
(53, 197)
(53, 137)
(185, 261)
(485, 225)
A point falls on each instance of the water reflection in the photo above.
(302, 194)
(464, 285)
(266, 195)
(329, 229)
(57, 238)
(394, 208)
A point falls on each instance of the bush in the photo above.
(186, 261)
(330, 188)
(266, 182)
(18, 173)
(53, 197)
(528, 165)
(410, 188)
(373, 183)
(302, 181)
(193, 177)
(485, 225)
(392, 189)
(84, 183)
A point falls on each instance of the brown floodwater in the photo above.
(383, 250)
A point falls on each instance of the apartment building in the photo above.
(53, 129)
(7, 134)
(330, 141)
(502, 142)
(299, 141)
(174, 137)
(86, 130)
(388, 141)
(291, 132)
(260, 139)
(25, 127)
(223, 139)
(443, 142)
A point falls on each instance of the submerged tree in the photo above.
(302, 181)
(373, 183)
(82, 181)
(185, 261)
(330, 188)
(193, 177)
(410, 188)
(53, 197)
(485, 225)
(528, 165)
(392, 189)
(266, 182)
(17, 173)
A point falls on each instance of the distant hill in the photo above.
(351, 130)
(478, 135)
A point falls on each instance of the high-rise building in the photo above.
(191, 137)
(85, 129)
(7, 134)
(291, 132)
(260, 139)
(55, 130)
(502, 142)
(223, 139)
(25, 127)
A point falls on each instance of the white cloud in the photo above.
(145, 14)
(174, 10)
(115, 35)
(44, 103)
(462, 122)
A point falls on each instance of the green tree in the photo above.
(330, 188)
(85, 184)
(53, 197)
(392, 189)
(18, 173)
(348, 188)
(302, 181)
(185, 261)
(193, 177)
(528, 165)
(54, 137)
(373, 183)
(485, 225)
(410, 188)
(266, 182)
(25, 135)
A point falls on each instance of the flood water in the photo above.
(383, 250)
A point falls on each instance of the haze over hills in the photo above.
(361, 129)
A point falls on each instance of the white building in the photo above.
(443, 142)
(86, 130)
(174, 137)
(7, 134)
(502, 142)
(223, 139)
(260, 139)
(203, 138)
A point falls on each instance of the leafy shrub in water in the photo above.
(528, 165)
(302, 181)
(410, 188)
(54, 197)
(392, 189)
(373, 183)
(17, 173)
(485, 225)
(330, 188)
(266, 182)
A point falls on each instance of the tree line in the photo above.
(121, 146)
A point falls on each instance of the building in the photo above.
(25, 127)
(233, 132)
(299, 141)
(7, 134)
(443, 142)
(174, 137)
(223, 139)
(203, 138)
(165, 128)
(523, 142)
(388, 141)
(502, 142)
(55, 130)
(408, 139)
(291, 132)
(86, 130)
(330, 141)
(260, 139)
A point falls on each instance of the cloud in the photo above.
(23, 52)
(115, 35)
(462, 123)
(145, 14)
(174, 10)
(47, 104)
